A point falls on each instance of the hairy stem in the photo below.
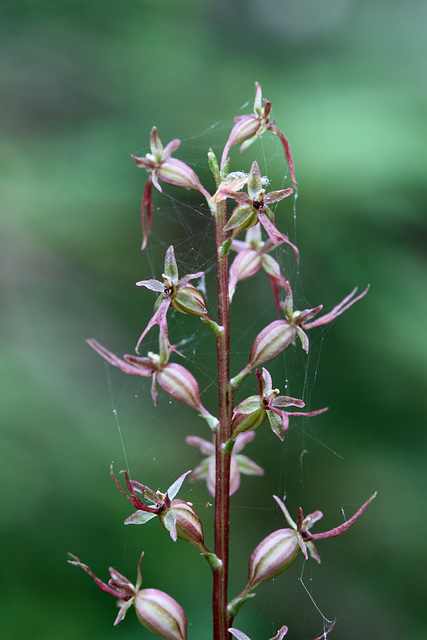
(222, 458)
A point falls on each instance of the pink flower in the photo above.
(252, 255)
(173, 378)
(278, 335)
(155, 609)
(250, 127)
(275, 553)
(303, 525)
(175, 292)
(177, 516)
(161, 166)
(242, 636)
(252, 207)
(279, 635)
(239, 463)
(252, 411)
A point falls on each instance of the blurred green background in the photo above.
(82, 83)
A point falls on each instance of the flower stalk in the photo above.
(222, 457)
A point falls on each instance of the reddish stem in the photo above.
(222, 459)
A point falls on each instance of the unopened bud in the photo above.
(273, 555)
(161, 614)
(178, 173)
(179, 383)
(271, 341)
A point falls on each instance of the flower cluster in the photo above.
(223, 463)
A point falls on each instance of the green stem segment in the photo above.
(222, 457)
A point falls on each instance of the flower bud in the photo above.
(186, 521)
(179, 383)
(178, 173)
(273, 555)
(271, 341)
(161, 614)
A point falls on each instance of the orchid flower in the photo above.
(155, 609)
(249, 128)
(177, 516)
(252, 411)
(277, 336)
(239, 463)
(174, 292)
(275, 553)
(161, 166)
(173, 378)
(279, 635)
(252, 207)
(303, 525)
(252, 255)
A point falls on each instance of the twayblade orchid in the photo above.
(252, 411)
(174, 292)
(252, 255)
(249, 128)
(177, 516)
(239, 463)
(173, 378)
(252, 207)
(155, 609)
(277, 336)
(161, 166)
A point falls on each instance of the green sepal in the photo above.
(229, 445)
(242, 218)
(234, 606)
(211, 420)
(214, 167)
(216, 328)
(213, 561)
(225, 247)
(140, 517)
(171, 269)
(276, 424)
(225, 169)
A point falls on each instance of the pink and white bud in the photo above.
(271, 341)
(181, 385)
(273, 555)
(161, 614)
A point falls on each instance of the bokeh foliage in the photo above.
(82, 84)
